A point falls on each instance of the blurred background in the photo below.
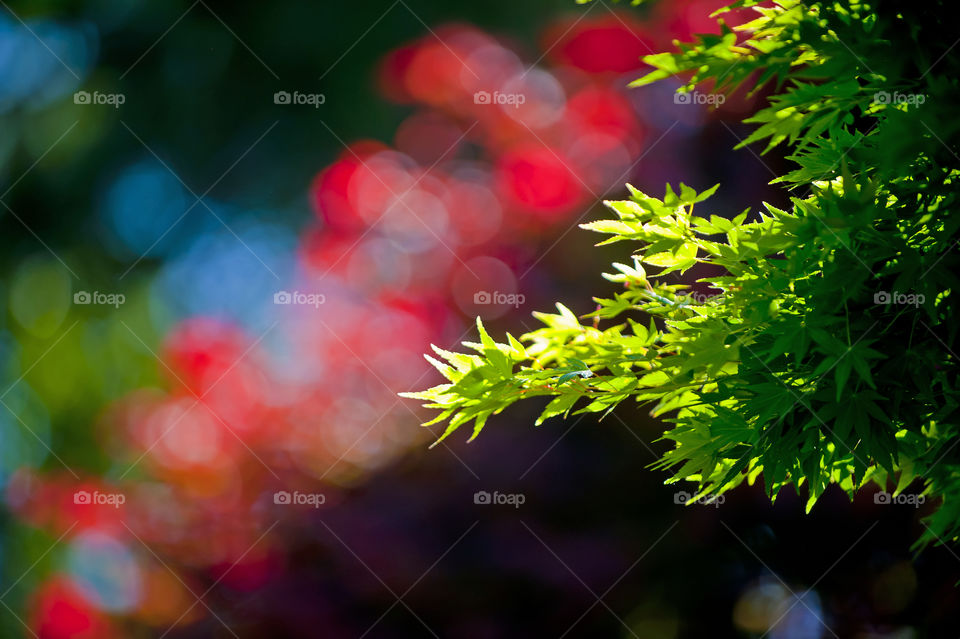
(231, 230)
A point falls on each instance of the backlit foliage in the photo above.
(823, 352)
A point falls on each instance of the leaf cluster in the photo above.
(824, 350)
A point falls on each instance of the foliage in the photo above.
(824, 350)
